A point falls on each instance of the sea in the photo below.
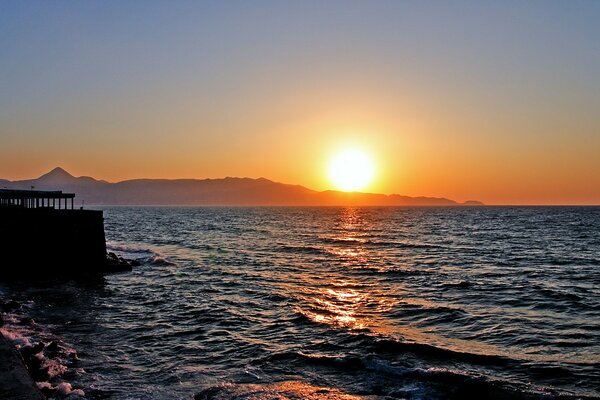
(327, 303)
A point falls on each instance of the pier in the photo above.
(36, 199)
(42, 234)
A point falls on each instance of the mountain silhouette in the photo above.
(56, 174)
(217, 192)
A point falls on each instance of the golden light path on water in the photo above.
(357, 306)
(287, 390)
(346, 302)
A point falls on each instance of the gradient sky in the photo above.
(491, 100)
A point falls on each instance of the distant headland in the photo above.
(212, 192)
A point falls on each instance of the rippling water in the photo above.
(417, 303)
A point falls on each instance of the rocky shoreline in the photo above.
(15, 381)
(32, 370)
(33, 364)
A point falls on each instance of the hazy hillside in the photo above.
(226, 191)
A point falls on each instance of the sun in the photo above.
(351, 170)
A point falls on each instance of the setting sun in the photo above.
(351, 170)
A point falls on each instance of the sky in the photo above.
(497, 101)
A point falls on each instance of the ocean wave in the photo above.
(425, 349)
(303, 249)
(442, 313)
(142, 255)
(61, 390)
(360, 241)
(342, 362)
(123, 248)
(290, 390)
(433, 382)
(276, 298)
(458, 284)
(420, 383)
(390, 271)
(157, 259)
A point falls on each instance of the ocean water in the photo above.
(334, 303)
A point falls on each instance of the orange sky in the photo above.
(446, 100)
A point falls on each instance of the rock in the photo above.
(29, 351)
(33, 363)
(73, 356)
(48, 391)
(53, 346)
(26, 351)
(37, 348)
(52, 349)
(115, 263)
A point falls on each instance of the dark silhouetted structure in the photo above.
(42, 235)
(35, 199)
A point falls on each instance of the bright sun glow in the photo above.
(351, 170)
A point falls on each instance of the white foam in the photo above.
(17, 339)
(126, 248)
(63, 389)
(44, 385)
(66, 389)
(55, 368)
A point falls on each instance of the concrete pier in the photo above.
(39, 240)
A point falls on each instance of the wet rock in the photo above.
(53, 346)
(72, 359)
(37, 348)
(115, 263)
(26, 351)
(30, 351)
(48, 390)
(52, 349)
(73, 356)
(33, 363)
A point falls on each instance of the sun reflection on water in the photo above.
(338, 300)
(339, 307)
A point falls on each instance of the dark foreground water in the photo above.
(275, 303)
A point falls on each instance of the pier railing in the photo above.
(36, 199)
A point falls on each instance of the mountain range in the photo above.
(218, 192)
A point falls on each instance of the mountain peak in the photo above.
(56, 174)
